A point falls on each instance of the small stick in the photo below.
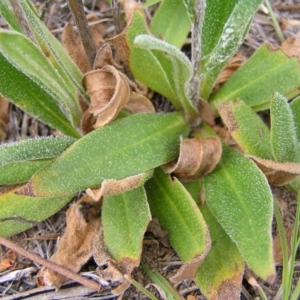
(116, 15)
(22, 20)
(77, 10)
(51, 265)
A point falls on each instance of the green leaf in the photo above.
(171, 22)
(28, 81)
(160, 66)
(295, 107)
(285, 146)
(18, 213)
(115, 151)
(226, 26)
(125, 218)
(238, 195)
(179, 215)
(223, 266)
(28, 59)
(265, 72)
(150, 3)
(7, 12)
(254, 139)
(174, 63)
(55, 52)
(20, 160)
(190, 8)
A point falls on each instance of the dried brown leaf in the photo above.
(114, 187)
(75, 247)
(8, 261)
(4, 118)
(233, 64)
(189, 269)
(206, 112)
(105, 57)
(277, 173)
(291, 46)
(196, 158)
(108, 90)
(108, 268)
(225, 110)
(138, 103)
(74, 47)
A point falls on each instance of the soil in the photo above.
(43, 238)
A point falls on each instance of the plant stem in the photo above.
(197, 24)
(274, 20)
(22, 20)
(77, 10)
(284, 246)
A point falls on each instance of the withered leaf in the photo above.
(277, 173)
(74, 47)
(108, 268)
(138, 103)
(109, 92)
(75, 247)
(291, 46)
(197, 157)
(113, 187)
(4, 118)
(189, 269)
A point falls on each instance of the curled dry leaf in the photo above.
(4, 119)
(75, 247)
(138, 103)
(196, 158)
(206, 112)
(108, 268)
(189, 269)
(113, 187)
(291, 46)
(109, 92)
(105, 57)
(277, 173)
(8, 261)
(233, 64)
(74, 47)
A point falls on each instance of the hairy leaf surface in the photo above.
(18, 213)
(170, 18)
(125, 218)
(238, 195)
(28, 80)
(55, 52)
(116, 151)
(20, 160)
(285, 146)
(255, 81)
(179, 215)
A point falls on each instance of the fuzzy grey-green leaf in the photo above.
(20, 160)
(238, 195)
(126, 147)
(284, 143)
(125, 218)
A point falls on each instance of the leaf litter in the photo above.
(169, 255)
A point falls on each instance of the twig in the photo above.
(193, 87)
(116, 15)
(51, 265)
(77, 10)
(22, 20)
